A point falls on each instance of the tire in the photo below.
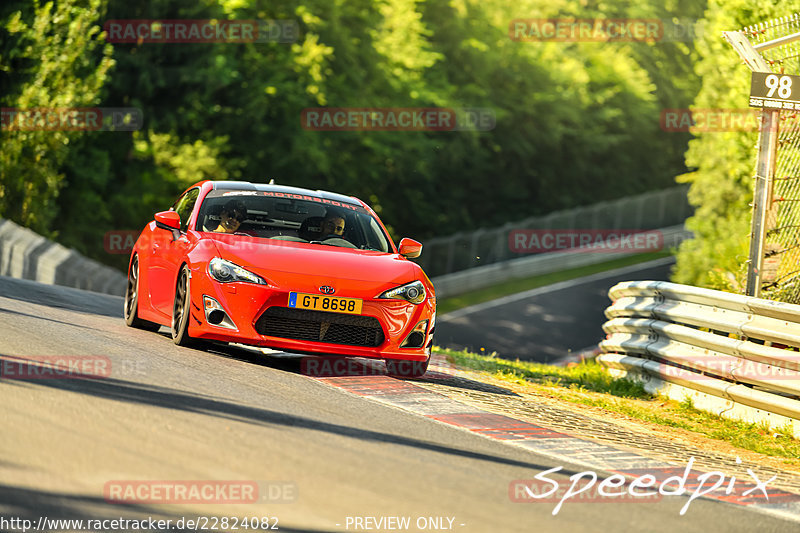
(400, 368)
(181, 309)
(130, 308)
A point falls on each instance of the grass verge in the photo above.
(445, 305)
(590, 384)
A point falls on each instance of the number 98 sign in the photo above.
(782, 83)
(774, 91)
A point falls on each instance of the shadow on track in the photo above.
(61, 297)
(136, 393)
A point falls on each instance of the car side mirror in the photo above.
(409, 248)
(168, 220)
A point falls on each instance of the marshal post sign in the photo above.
(774, 91)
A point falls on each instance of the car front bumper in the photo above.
(260, 316)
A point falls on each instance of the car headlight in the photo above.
(413, 292)
(226, 272)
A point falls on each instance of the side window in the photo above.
(375, 237)
(184, 206)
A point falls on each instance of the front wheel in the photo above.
(131, 308)
(181, 309)
(401, 368)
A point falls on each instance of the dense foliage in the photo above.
(723, 162)
(577, 122)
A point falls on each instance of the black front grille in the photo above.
(320, 326)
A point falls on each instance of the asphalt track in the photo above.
(545, 324)
(170, 413)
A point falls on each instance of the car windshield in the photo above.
(291, 217)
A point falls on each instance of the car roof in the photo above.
(265, 187)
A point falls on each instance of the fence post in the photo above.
(762, 199)
(501, 243)
(765, 166)
(473, 248)
(662, 210)
(451, 252)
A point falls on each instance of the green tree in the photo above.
(576, 122)
(52, 58)
(723, 162)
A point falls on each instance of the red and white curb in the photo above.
(551, 443)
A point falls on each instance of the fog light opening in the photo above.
(215, 313)
(216, 316)
(416, 339)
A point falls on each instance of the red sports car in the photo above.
(285, 268)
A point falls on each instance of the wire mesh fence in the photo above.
(462, 251)
(780, 273)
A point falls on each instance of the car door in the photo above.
(167, 255)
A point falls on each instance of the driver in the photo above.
(233, 214)
(333, 225)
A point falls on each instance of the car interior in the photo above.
(295, 221)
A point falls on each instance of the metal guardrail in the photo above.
(27, 255)
(536, 265)
(486, 246)
(738, 348)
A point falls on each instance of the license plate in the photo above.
(317, 302)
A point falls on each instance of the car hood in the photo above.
(297, 265)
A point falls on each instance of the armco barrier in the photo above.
(486, 246)
(27, 255)
(536, 265)
(731, 354)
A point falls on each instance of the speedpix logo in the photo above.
(649, 486)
